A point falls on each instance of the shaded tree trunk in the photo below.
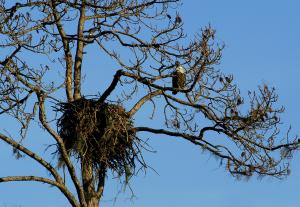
(88, 180)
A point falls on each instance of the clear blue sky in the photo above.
(262, 46)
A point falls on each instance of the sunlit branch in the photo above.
(67, 51)
(34, 156)
(70, 167)
(143, 100)
(60, 186)
(79, 53)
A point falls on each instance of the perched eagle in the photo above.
(179, 77)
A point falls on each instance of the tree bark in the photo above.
(79, 53)
(67, 51)
(88, 181)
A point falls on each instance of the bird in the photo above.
(239, 101)
(178, 78)
(228, 79)
(178, 19)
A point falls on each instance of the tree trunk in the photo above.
(88, 181)
(93, 202)
(79, 53)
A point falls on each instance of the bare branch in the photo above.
(71, 169)
(143, 100)
(112, 86)
(34, 156)
(146, 40)
(79, 53)
(60, 186)
(67, 51)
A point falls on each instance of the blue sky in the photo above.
(262, 46)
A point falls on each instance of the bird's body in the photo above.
(178, 19)
(179, 77)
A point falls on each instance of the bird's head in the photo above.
(179, 68)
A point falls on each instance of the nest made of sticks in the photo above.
(99, 133)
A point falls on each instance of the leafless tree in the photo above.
(144, 38)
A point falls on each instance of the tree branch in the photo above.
(112, 86)
(101, 183)
(79, 53)
(34, 156)
(60, 186)
(67, 51)
(21, 101)
(4, 62)
(194, 139)
(70, 167)
(143, 100)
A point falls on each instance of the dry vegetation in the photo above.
(100, 133)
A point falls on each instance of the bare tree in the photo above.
(145, 38)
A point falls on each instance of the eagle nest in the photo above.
(100, 133)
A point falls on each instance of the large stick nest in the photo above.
(99, 133)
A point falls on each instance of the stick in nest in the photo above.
(98, 133)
